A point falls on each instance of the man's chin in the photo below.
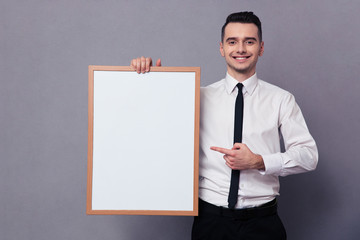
(244, 70)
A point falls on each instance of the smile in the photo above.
(241, 58)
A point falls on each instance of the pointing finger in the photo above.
(222, 150)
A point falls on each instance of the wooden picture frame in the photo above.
(143, 141)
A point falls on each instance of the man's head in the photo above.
(242, 17)
(241, 44)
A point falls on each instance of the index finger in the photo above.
(148, 64)
(222, 150)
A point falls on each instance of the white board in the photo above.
(144, 146)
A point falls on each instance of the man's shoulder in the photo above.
(272, 88)
(213, 87)
(215, 84)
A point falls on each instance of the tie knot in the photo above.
(239, 86)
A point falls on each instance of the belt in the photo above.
(266, 209)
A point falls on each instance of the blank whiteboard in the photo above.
(143, 141)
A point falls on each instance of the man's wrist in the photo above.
(259, 162)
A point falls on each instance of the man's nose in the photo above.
(241, 48)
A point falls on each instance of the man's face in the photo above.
(241, 48)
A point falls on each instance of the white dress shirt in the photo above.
(268, 110)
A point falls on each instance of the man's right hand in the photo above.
(143, 64)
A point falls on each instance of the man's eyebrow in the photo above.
(245, 39)
(250, 38)
(231, 39)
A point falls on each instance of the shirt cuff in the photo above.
(273, 164)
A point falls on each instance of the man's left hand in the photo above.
(240, 157)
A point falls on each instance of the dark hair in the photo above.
(242, 17)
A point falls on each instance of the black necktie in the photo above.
(238, 124)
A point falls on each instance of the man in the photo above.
(240, 126)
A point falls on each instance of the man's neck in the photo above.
(240, 77)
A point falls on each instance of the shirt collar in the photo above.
(249, 84)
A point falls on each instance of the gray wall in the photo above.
(311, 49)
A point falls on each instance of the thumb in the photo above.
(158, 63)
(237, 146)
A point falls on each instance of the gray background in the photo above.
(311, 49)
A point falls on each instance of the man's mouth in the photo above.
(241, 58)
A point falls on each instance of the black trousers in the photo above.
(217, 223)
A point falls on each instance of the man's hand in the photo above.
(143, 64)
(240, 157)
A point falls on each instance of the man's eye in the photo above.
(232, 42)
(249, 42)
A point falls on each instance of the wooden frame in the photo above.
(165, 150)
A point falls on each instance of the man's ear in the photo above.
(261, 52)
(222, 49)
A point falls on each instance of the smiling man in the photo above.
(241, 121)
(241, 46)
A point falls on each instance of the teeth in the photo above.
(241, 58)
